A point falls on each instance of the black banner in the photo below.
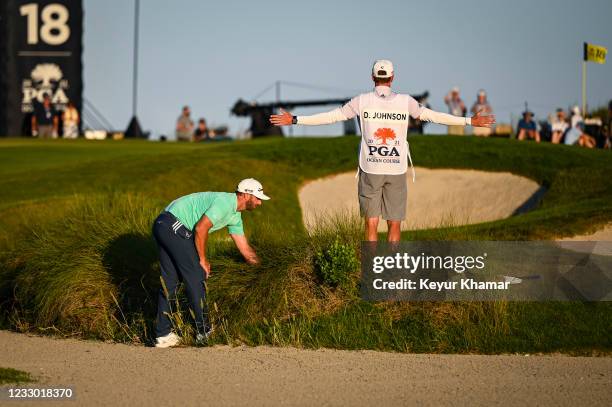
(40, 53)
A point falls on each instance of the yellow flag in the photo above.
(595, 53)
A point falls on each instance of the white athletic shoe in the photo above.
(167, 341)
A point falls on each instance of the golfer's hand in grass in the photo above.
(206, 266)
(253, 260)
(478, 120)
(245, 249)
(283, 119)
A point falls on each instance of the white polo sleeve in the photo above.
(414, 108)
(346, 112)
(429, 115)
(351, 108)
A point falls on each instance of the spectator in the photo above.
(456, 107)
(202, 132)
(576, 116)
(71, 119)
(577, 137)
(527, 127)
(184, 125)
(559, 126)
(482, 105)
(44, 119)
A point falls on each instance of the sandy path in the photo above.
(112, 374)
(440, 197)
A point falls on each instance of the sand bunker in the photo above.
(602, 241)
(440, 197)
(603, 234)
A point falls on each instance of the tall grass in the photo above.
(73, 276)
(95, 275)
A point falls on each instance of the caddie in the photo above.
(181, 232)
(384, 151)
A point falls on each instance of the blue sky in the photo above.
(209, 54)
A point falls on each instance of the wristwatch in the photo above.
(294, 120)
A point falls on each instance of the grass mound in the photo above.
(104, 284)
(73, 273)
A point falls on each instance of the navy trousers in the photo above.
(179, 261)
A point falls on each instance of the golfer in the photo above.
(181, 232)
(384, 150)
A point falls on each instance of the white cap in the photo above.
(481, 92)
(253, 187)
(455, 89)
(382, 65)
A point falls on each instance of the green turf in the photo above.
(77, 258)
(8, 375)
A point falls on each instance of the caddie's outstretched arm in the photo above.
(478, 120)
(339, 114)
(245, 249)
(286, 119)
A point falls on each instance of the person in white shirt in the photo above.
(482, 105)
(71, 119)
(184, 125)
(576, 117)
(456, 107)
(384, 150)
(558, 126)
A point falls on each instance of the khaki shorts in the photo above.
(382, 195)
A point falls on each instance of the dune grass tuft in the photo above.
(10, 375)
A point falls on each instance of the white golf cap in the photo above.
(253, 187)
(482, 92)
(383, 68)
(455, 89)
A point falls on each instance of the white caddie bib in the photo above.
(384, 127)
